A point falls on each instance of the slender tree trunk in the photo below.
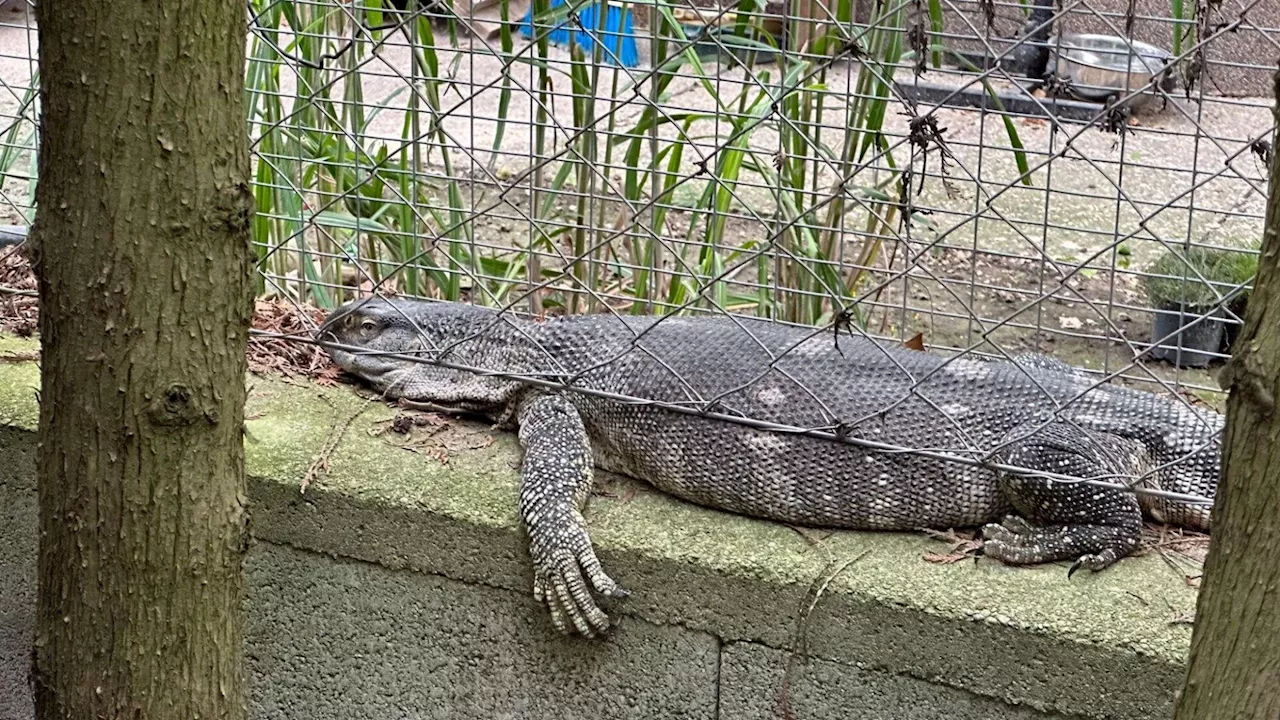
(1234, 668)
(142, 251)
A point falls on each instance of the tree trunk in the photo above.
(141, 244)
(1234, 668)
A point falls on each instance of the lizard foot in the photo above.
(1092, 527)
(1095, 547)
(562, 567)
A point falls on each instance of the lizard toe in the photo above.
(1017, 525)
(993, 548)
(995, 533)
(1089, 546)
(596, 620)
(569, 606)
(557, 613)
(567, 590)
(599, 579)
(1094, 562)
(1001, 544)
(587, 617)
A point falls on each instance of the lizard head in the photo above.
(382, 337)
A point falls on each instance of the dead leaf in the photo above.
(915, 343)
(949, 535)
(281, 356)
(944, 558)
(388, 286)
(962, 546)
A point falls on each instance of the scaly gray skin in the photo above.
(784, 375)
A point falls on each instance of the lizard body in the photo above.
(1037, 413)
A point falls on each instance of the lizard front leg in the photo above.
(1093, 526)
(557, 476)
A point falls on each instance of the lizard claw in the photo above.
(1096, 562)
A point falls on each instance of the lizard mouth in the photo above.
(463, 408)
(367, 366)
(325, 335)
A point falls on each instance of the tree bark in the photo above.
(1234, 667)
(141, 245)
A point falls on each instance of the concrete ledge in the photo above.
(399, 582)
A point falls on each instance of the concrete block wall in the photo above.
(398, 586)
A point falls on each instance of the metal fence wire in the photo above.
(1080, 178)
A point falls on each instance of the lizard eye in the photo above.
(368, 324)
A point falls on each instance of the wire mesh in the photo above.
(19, 111)
(967, 176)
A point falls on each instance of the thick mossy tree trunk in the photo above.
(141, 244)
(1234, 668)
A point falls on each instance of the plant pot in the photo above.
(1231, 331)
(1187, 345)
(727, 51)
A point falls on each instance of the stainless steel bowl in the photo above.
(1103, 66)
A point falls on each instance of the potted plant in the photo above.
(1189, 327)
(1239, 268)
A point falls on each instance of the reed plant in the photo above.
(659, 210)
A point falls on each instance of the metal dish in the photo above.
(1103, 66)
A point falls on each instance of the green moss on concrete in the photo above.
(443, 500)
(1130, 605)
(19, 383)
(290, 426)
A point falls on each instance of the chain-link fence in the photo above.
(922, 166)
(18, 112)
(1080, 178)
